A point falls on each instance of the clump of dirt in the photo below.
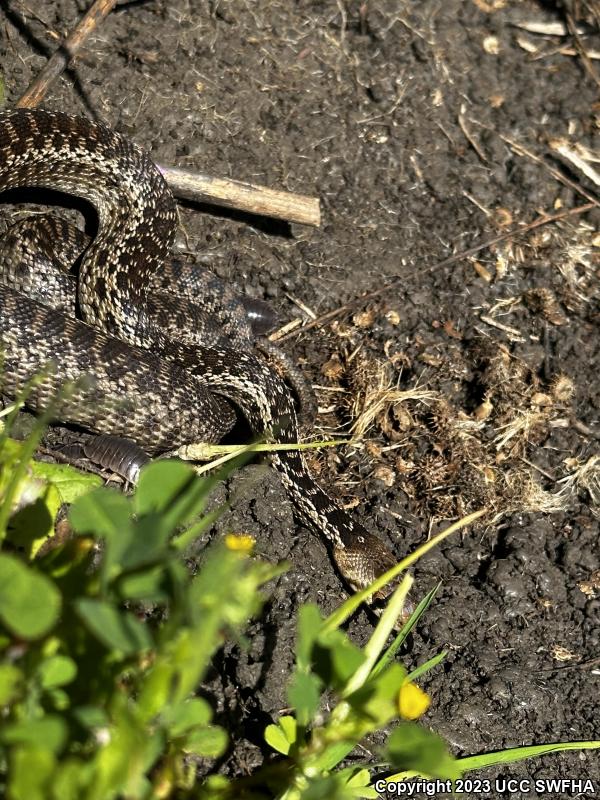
(424, 128)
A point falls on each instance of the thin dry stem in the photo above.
(57, 63)
(512, 233)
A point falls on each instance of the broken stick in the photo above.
(57, 63)
(243, 196)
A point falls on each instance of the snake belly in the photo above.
(132, 378)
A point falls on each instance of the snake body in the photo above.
(138, 374)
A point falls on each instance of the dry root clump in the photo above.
(454, 426)
(521, 408)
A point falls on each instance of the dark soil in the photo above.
(392, 113)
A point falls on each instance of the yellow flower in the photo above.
(240, 543)
(413, 702)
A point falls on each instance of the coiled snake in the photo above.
(139, 375)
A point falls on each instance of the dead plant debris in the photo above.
(459, 419)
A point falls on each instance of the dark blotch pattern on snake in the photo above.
(138, 377)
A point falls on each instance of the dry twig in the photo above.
(579, 46)
(396, 282)
(521, 150)
(242, 196)
(57, 63)
(462, 124)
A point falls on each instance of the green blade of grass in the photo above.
(515, 754)
(380, 635)
(10, 409)
(233, 451)
(410, 623)
(341, 614)
(509, 756)
(427, 666)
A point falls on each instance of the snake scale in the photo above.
(136, 376)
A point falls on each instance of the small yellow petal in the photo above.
(240, 543)
(413, 702)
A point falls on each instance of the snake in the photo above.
(116, 334)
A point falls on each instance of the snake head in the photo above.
(365, 560)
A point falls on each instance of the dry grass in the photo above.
(378, 398)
